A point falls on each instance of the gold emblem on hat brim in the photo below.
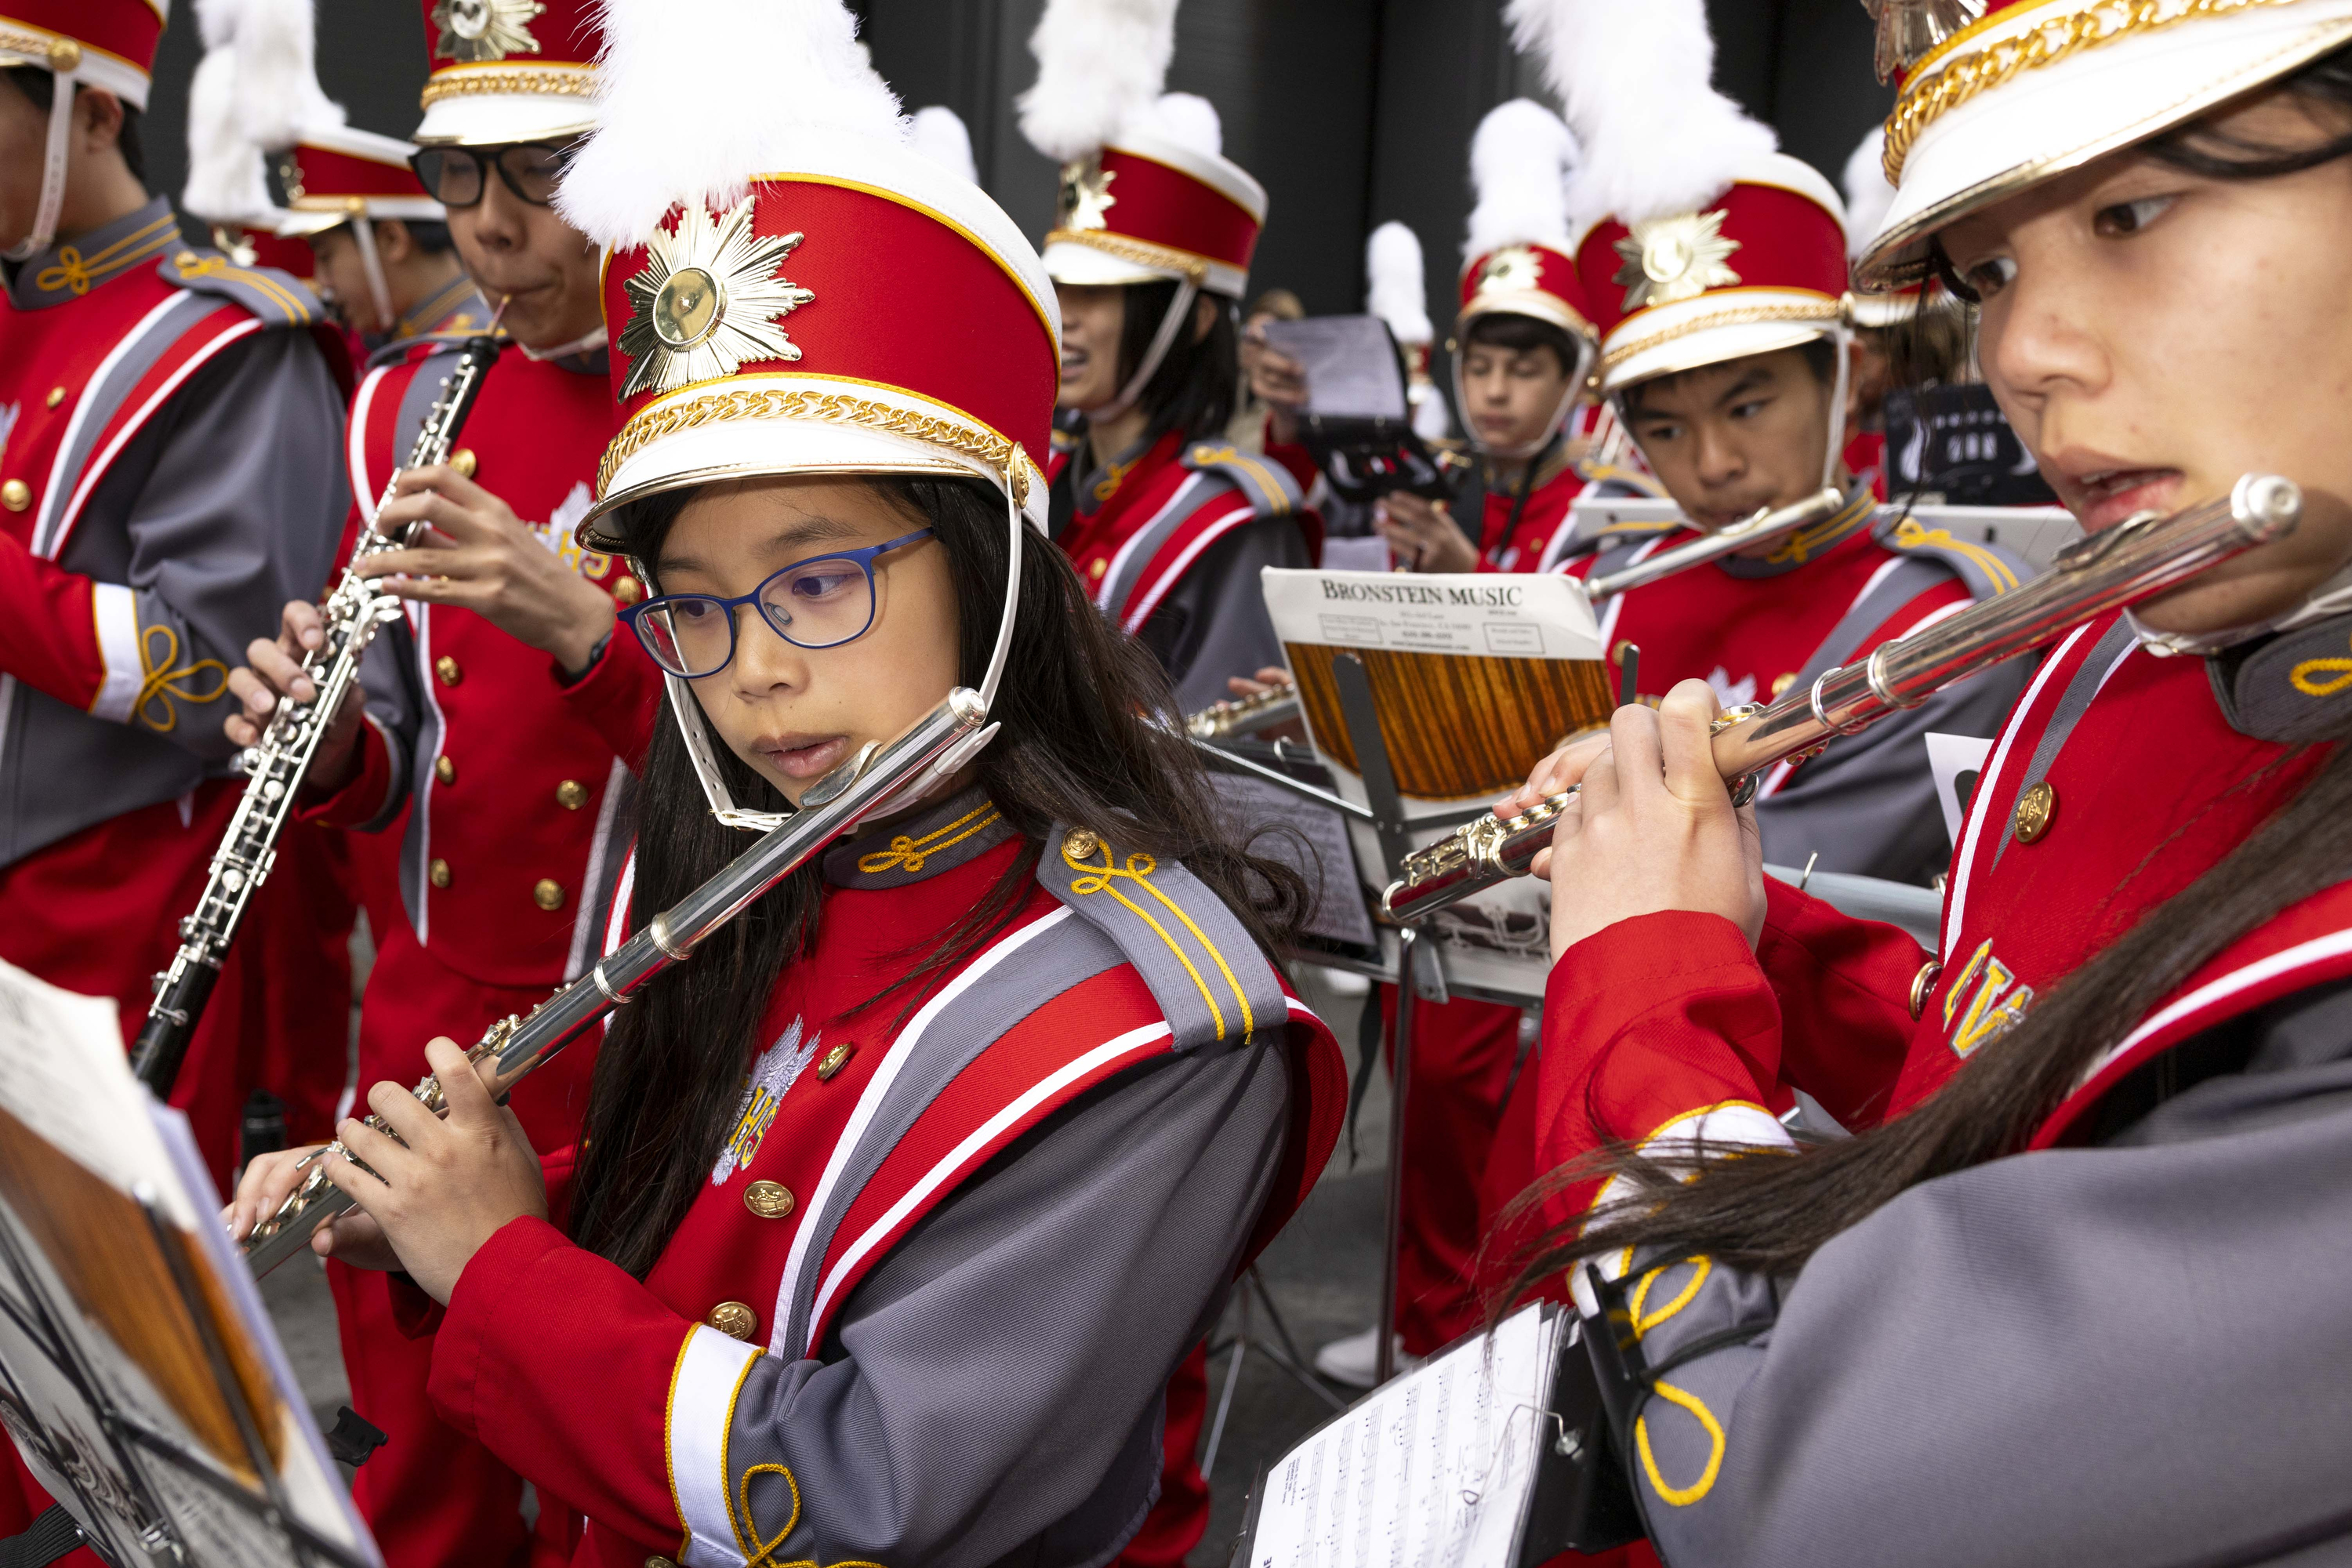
(473, 31)
(709, 301)
(1085, 194)
(1908, 30)
(1514, 269)
(1675, 258)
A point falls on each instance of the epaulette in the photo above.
(1268, 484)
(1987, 569)
(1063, 440)
(1619, 484)
(1211, 982)
(275, 299)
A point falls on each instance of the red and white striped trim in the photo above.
(1135, 542)
(1154, 588)
(45, 527)
(115, 609)
(364, 487)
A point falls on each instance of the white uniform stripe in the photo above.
(870, 1102)
(1149, 599)
(710, 1371)
(1135, 540)
(115, 608)
(45, 531)
(1987, 782)
(96, 469)
(583, 929)
(363, 484)
(617, 919)
(1732, 1124)
(2334, 945)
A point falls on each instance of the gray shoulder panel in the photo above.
(1211, 983)
(1266, 483)
(1987, 569)
(276, 299)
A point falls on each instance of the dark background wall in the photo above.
(1351, 112)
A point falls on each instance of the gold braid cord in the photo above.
(802, 403)
(1970, 71)
(1142, 252)
(578, 81)
(1826, 313)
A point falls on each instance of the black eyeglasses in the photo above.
(456, 176)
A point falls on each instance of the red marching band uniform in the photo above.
(488, 810)
(167, 479)
(794, 1320)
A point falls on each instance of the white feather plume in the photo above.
(1636, 77)
(1522, 160)
(225, 181)
(1867, 194)
(1395, 290)
(1100, 64)
(1185, 118)
(939, 134)
(278, 91)
(763, 75)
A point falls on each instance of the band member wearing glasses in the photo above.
(899, 1204)
(2075, 1293)
(491, 771)
(384, 259)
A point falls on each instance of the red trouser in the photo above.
(433, 1495)
(1181, 1517)
(306, 1033)
(1462, 1053)
(98, 913)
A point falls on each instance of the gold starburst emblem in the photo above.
(1908, 29)
(1085, 194)
(1514, 267)
(476, 30)
(1677, 258)
(708, 301)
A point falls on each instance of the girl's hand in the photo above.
(1422, 534)
(444, 1187)
(270, 1179)
(1653, 827)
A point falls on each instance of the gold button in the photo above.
(1081, 845)
(462, 462)
(659, 1563)
(733, 1319)
(2035, 807)
(64, 55)
(56, 395)
(438, 873)
(1097, 569)
(548, 893)
(1923, 983)
(834, 1061)
(447, 668)
(571, 795)
(627, 591)
(445, 770)
(1782, 682)
(15, 495)
(768, 1200)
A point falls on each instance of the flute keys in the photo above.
(732, 1319)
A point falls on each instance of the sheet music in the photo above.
(1351, 363)
(1327, 861)
(1435, 1469)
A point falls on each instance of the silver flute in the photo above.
(278, 763)
(2122, 566)
(1243, 715)
(870, 782)
(1748, 530)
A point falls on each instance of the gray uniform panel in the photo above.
(2129, 1353)
(1213, 623)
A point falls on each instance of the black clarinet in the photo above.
(278, 762)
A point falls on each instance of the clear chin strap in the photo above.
(1179, 310)
(53, 172)
(2332, 597)
(701, 749)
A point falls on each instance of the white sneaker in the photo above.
(1352, 1362)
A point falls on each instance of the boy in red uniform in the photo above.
(502, 716)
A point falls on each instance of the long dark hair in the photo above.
(1192, 390)
(1076, 747)
(1771, 1212)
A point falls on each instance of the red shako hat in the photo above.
(756, 325)
(1995, 98)
(336, 173)
(1518, 258)
(511, 70)
(1701, 242)
(1146, 192)
(105, 44)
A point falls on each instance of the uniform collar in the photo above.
(72, 268)
(1807, 544)
(1097, 489)
(2292, 687)
(456, 308)
(953, 833)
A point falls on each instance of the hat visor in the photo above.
(1713, 329)
(1084, 267)
(2052, 119)
(496, 119)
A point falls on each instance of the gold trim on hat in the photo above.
(57, 51)
(547, 80)
(1962, 69)
(1825, 314)
(1142, 252)
(725, 403)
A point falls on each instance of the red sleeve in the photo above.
(619, 697)
(361, 800)
(417, 1315)
(1294, 456)
(1845, 991)
(48, 639)
(1645, 1022)
(560, 1365)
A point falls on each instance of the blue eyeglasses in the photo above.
(822, 602)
